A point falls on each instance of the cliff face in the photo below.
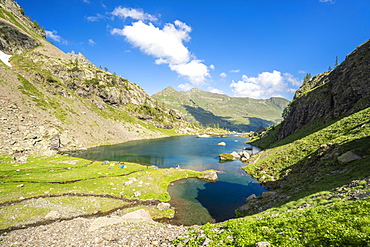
(331, 95)
(51, 100)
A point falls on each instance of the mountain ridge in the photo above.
(207, 109)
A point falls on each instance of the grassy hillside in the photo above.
(318, 198)
(208, 109)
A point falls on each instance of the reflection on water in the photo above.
(196, 201)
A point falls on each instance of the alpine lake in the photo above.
(196, 202)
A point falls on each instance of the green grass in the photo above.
(337, 224)
(312, 153)
(34, 210)
(63, 180)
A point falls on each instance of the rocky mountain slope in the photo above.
(331, 95)
(209, 109)
(51, 100)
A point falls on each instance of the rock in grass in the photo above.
(348, 157)
(262, 244)
(52, 215)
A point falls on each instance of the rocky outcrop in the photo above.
(331, 95)
(13, 40)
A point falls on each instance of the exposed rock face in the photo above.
(333, 94)
(13, 40)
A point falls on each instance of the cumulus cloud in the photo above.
(195, 71)
(53, 35)
(235, 71)
(136, 14)
(215, 90)
(265, 85)
(223, 75)
(212, 67)
(166, 45)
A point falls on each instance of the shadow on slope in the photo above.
(207, 118)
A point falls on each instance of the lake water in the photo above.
(196, 201)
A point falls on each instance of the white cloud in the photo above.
(223, 75)
(185, 86)
(301, 72)
(136, 14)
(91, 42)
(53, 35)
(195, 71)
(212, 67)
(167, 46)
(86, 1)
(215, 90)
(235, 71)
(265, 85)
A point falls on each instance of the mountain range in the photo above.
(212, 109)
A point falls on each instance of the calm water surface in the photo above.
(196, 201)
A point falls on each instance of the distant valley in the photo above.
(220, 110)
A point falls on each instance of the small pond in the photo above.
(196, 201)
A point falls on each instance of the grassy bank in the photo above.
(74, 186)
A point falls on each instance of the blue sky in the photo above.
(243, 48)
